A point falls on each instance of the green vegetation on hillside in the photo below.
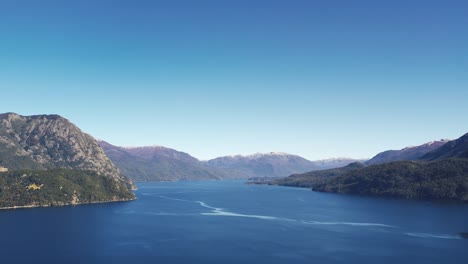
(441, 174)
(309, 179)
(443, 180)
(58, 187)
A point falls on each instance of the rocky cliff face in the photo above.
(51, 141)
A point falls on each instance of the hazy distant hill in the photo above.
(274, 164)
(408, 153)
(336, 163)
(311, 178)
(156, 163)
(453, 149)
(43, 142)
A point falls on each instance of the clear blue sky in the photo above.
(316, 78)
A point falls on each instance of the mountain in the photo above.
(445, 179)
(438, 174)
(409, 153)
(46, 142)
(273, 164)
(453, 149)
(156, 163)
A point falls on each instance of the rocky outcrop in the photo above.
(50, 141)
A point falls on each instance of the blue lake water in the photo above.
(230, 222)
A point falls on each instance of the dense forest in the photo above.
(58, 187)
(442, 180)
(312, 178)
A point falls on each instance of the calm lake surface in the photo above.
(230, 222)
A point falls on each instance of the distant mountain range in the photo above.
(156, 163)
(440, 173)
(52, 143)
(45, 142)
(408, 153)
(46, 160)
(273, 164)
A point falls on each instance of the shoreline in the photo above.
(63, 205)
(373, 196)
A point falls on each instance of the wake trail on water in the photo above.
(427, 235)
(216, 211)
(347, 223)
